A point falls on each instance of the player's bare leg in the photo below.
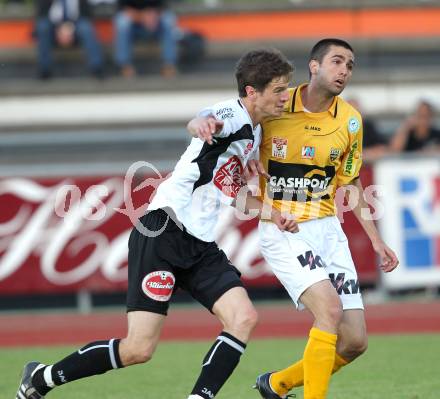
(237, 314)
(144, 330)
(96, 357)
(239, 317)
(352, 335)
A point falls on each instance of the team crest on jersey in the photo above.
(279, 148)
(159, 285)
(353, 125)
(308, 152)
(228, 178)
(334, 154)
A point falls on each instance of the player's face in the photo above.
(335, 70)
(270, 102)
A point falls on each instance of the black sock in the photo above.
(218, 365)
(94, 358)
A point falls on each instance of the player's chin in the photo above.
(337, 90)
(278, 111)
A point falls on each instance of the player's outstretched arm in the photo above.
(205, 127)
(387, 257)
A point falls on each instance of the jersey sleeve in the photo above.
(224, 113)
(352, 157)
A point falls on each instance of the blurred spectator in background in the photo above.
(63, 23)
(374, 145)
(417, 132)
(145, 19)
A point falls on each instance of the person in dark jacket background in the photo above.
(145, 19)
(62, 23)
(418, 132)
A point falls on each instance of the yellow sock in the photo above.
(293, 376)
(319, 358)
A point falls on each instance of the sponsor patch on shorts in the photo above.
(159, 285)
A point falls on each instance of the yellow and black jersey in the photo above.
(309, 155)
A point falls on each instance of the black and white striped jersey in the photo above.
(210, 176)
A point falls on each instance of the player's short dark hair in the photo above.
(258, 68)
(321, 48)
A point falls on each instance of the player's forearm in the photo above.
(366, 223)
(246, 203)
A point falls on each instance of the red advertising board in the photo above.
(70, 233)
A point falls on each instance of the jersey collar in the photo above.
(297, 105)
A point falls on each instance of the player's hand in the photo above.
(285, 223)
(255, 168)
(387, 257)
(205, 128)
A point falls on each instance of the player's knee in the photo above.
(358, 346)
(143, 355)
(245, 320)
(137, 353)
(251, 319)
(354, 348)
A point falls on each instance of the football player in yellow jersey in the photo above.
(311, 150)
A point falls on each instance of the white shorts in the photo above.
(319, 251)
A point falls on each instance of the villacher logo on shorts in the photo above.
(159, 285)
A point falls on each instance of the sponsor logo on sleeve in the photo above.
(353, 125)
(159, 285)
(350, 163)
(279, 148)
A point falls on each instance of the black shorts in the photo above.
(158, 265)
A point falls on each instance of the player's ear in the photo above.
(313, 67)
(250, 91)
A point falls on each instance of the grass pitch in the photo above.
(394, 367)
